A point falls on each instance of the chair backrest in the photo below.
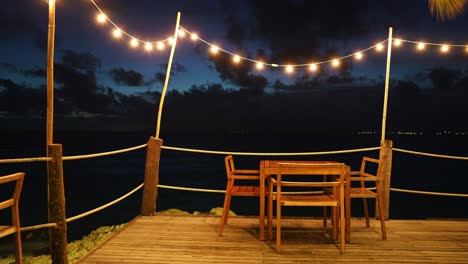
(229, 163)
(365, 171)
(312, 169)
(12, 201)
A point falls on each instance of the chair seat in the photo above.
(245, 190)
(362, 193)
(304, 200)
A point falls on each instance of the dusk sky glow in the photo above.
(238, 26)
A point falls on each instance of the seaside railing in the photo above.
(204, 151)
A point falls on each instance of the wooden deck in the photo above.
(194, 239)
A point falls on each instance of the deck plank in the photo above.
(194, 239)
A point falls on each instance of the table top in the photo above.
(274, 163)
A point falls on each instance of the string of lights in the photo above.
(135, 42)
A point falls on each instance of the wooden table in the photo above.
(270, 167)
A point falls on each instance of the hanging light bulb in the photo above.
(148, 46)
(379, 47)
(194, 36)
(259, 65)
(170, 41)
(421, 46)
(466, 48)
(444, 48)
(335, 63)
(289, 69)
(101, 18)
(214, 49)
(181, 34)
(134, 43)
(358, 55)
(397, 42)
(160, 46)
(313, 67)
(236, 59)
(117, 33)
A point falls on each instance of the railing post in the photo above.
(386, 159)
(150, 189)
(56, 199)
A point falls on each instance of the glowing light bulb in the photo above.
(170, 40)
(181, 34)
(289, 69)
(444, 48)
(236, 59)
(313, 67)
(117, 33)
(466, 49)
(259, 65)
(358, 55)
(214, 49)
(101, 18)
(134, 43)
(397, 42)
(379, 47)
(194, 36)
(421, 46)
(160, 46)
(148, 46)
(335, 63)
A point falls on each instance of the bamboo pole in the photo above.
(387, 79)
(168, 74)
(50, 74)
(56, 206)
(150, 188)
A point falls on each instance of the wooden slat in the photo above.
(194, 239)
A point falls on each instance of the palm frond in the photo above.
(447, 9)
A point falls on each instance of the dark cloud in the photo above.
(126, 77)
(176, 69)
(36, 72)
(9, 66)
(83, 61)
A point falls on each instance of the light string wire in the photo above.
(434, 44)
(278, 64)
(125, 32)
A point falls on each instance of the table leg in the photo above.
(262, 205)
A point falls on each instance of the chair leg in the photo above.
(225, 215)
(366, 211)
(278, 227)
(270, 211)
(342, 229)
(325, 216)
(335, 223)
(18, 249)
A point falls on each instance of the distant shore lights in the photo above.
(214, 49)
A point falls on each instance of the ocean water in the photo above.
(90, 183)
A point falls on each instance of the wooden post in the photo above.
(56, 198)
(150, 189)
(386, 159)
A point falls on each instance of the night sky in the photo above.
(281, 32)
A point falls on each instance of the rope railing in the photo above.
(429, 193)
(269, 153)
(101, 154)
(430, 154)
(76, 217)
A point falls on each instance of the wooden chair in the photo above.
(13, 202)
(232, 189)
(362, 177)
(334, 199)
